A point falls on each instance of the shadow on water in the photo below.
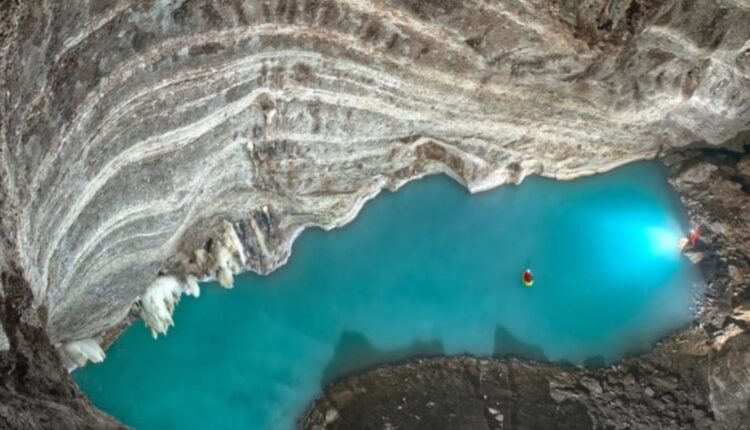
(354, 353)
(508, 345)
(595, 361)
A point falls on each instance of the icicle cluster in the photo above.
(225, 258)
(160, 299)
(226, 252)
(76, 353)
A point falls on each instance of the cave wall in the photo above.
(36, 391)
(130, 131)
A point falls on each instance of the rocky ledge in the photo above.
(697, 378)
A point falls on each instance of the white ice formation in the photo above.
(76, 353)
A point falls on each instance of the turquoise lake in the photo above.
(427, 270)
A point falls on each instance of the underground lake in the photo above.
(427, 270)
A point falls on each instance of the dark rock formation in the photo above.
(697, 378)
(36, 391)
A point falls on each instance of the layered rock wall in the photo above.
(131, 131)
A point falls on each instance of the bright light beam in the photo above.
(664, 241)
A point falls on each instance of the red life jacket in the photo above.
(527, 276)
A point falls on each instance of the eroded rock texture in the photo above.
(696, 378)
(132, 130)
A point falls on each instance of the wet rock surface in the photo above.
(698, 377)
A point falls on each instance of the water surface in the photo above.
(427, 270)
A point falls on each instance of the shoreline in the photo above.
(694, 360)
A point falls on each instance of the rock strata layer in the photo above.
(133, 132)
(697, 378)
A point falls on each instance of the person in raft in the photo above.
(694, 236)
(527, 278)
(691, 240)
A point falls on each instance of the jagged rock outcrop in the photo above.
(696, 378)
(132, 130)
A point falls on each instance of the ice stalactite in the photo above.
(224, 256)
(76, 353)
(191, 286)
(226, 252)
(158, 302)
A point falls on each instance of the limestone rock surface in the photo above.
(132, 132)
